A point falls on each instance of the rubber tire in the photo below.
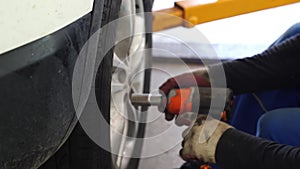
(79, 151)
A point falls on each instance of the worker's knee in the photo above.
(292, 31)
(295, 27)
(280, 125)
(266, 124)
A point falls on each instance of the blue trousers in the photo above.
(270, 114)
(281, 125)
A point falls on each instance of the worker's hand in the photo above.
(196, 78)
(201, 141)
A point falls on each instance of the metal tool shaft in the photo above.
(146, 99)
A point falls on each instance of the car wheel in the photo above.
(130, 75)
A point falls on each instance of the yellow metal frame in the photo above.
(194, 12)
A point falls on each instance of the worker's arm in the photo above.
(213, 141)
(277, 67)
(236, 150)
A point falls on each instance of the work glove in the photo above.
(196, 78)
(202, 138)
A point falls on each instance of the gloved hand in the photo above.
(196, 78)
(201, 141)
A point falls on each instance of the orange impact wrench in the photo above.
(193, 99)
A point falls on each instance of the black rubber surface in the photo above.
(36, 108)
(79, 151)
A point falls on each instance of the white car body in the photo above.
(25, 21)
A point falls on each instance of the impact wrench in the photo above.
(195, 99)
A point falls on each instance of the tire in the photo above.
(79, 151)
(37, 114)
